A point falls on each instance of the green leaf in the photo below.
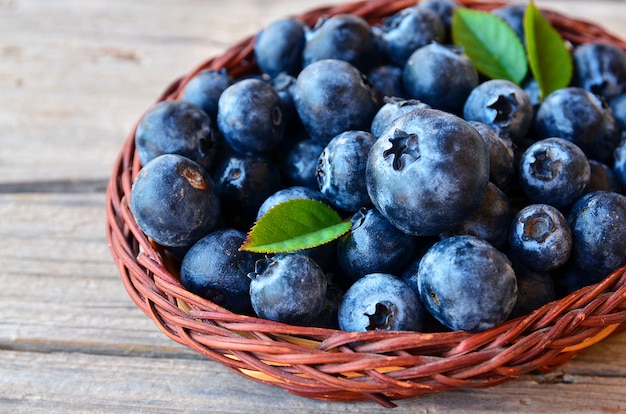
(490, 43)
(549, 58)
(295, 225)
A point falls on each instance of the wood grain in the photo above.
(74, 77)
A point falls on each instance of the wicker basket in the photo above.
(319, 363)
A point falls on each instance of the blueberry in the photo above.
(176, 127)
(250, 117)
(387, 81)
(603, 178)
(204, 90)
(278, 47)
(393, 108)
(332, 96)
(300, 164)
(284, 86)
(500, 104)
(600, 68)
(341, 170)
(288, 288)
(380, 301)
(491, 219)
(174, 201)
(581, 117)
(554, 171)
(344, 37)
(502, 166)
(540, 237)
(599, 235)
(328, 316)
(243, 184)
(286, 194)
(427, 172)
(408, 30)
(215, 269)
(442, 8)
(373, 245)
(467, 284)
(535, 288)
(440, 76)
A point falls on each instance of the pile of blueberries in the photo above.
(471, 200)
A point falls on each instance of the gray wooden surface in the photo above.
(75, 75)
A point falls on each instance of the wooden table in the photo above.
(75, 75)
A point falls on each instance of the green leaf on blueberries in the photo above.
(490, 43)
(295, 225)
(549, 58)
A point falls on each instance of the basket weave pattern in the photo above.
(320, 363)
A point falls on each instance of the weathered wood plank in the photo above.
(32, 382)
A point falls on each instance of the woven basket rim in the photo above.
(319, 363)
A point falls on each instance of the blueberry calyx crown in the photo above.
(380, 319)
(402, 144)
(544, 167)
(538, 227)
(505, 106)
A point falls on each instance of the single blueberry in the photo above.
(603, 178)
(286, 194)
(380, 301)
(341, 170)
(300, 164)
(502, 166)
(599, 234)
(535, 288)
(600, 68)
(373, 245)
(554, 171)
(393, 109)
(467, 284)
(427, 172)
(581, 117)
(619, 166)
(618, 106)
(288, 288)
(243, 184)
(345, 37)
(387, 81)
(278, 47)
(250, 117)
(500, 104)
(490, 221)
(540, 237)
(442, 8)
(440, 76)
(176, 127)
(205, 88)
(407, 30)
(331, 97)
(216, 269)
(174, 201)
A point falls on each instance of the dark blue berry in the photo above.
(467, 284)
(378, 302)
(286, 194)
(174, 201)
(513, 15)
(600, 68)
(176, 127)
(393, 109)
(535, 288)
(554, 171)
(250, 117)
(540, 237)
(300, 165)
(387, 81)
(427, 172)
(581, 117)
(288, 288)
(500, 104)
(204, 90)
(502, 166)
(332, 96)
(341, 170)
(373, 245)
(440, 76)
(278, 47)
(215, 269)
